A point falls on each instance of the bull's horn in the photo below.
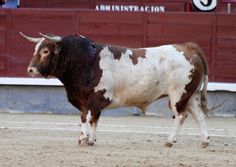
(31, 39)
(53, 39)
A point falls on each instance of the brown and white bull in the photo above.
(98, 77)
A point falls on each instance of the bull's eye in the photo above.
(45, 52)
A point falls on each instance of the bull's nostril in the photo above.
(31, 70)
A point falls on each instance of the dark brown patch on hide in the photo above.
(137, 53)
(192, 55)
(117, 51)
(97, 101)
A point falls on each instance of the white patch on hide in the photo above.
(85, 126)
(88, 117)
(106, 81)
(163, 69)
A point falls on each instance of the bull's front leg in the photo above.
(88, 128)
(93, 128)
(89, 119)
(84, 133)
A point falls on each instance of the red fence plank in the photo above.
(2, 64)
(225, 71)
(114, 28)
(225, 64)
(170, 30)
(85, 4)
(108, 17)
(3, 28)
(34, 3)
(181, 18)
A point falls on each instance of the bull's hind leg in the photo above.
(179, 118)
(194, 107)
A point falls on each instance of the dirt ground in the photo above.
(38, 140)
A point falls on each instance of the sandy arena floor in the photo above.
(36, 140)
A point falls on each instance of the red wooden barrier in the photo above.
(225, 48)
(3, 44)
(170, 5)
(215, 33)
(110, 27)
(181, 27)
(226, 5)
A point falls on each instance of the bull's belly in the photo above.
(138, 95)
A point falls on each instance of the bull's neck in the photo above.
(82, 69)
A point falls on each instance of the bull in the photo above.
(98, 76)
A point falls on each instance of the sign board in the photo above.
(205, 5)
(131, 8)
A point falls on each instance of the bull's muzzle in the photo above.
(32, 71)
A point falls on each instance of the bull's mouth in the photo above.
(40, 75)
(46, 76)
(33, 74)
(37, 72)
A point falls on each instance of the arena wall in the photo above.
(169, 5)
(53, 99)
(215, 33)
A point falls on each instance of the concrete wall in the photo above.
(52, 99)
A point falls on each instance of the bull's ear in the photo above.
(54, 39)
(31, 39)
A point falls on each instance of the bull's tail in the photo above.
(203, 91)
(204, 96)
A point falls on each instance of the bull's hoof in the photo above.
(90, 142)
(168, 144)
(205, 144)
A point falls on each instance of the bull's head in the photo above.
(46, 49)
